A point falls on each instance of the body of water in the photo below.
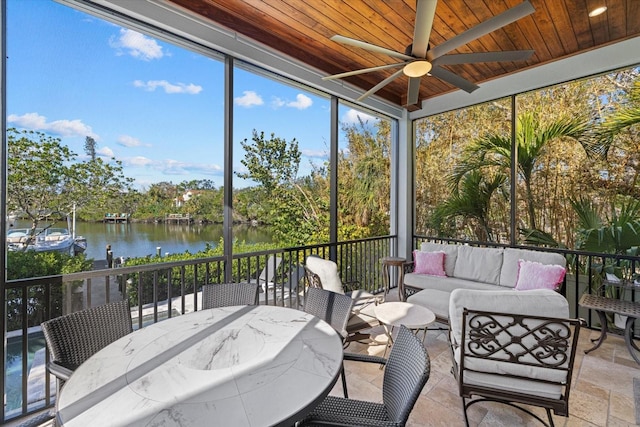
(139, 240)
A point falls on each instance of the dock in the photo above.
(116, 217)
(178, 218)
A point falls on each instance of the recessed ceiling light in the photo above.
(597, 11)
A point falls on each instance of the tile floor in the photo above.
(601, 395)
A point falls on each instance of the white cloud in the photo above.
(248, 99)
(320, 154)
(152, 85)
(130, 141)
(351, 117)
(302, 102)
(277, 102)
(105, 152)
(173, 167)
(137, 45)
(137, 161)
(35, 121)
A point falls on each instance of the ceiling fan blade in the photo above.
(468, 58)
(364, 70)
(505, 18)
(381, 85)
(371, 47)
(453, 79)
(413, 90)
(425, 12)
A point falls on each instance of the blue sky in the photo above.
(154, 106)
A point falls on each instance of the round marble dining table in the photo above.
(233, 366)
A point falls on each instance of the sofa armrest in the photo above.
(408, 267)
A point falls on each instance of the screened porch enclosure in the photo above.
(373, 178)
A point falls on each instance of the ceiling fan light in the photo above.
(417, 68)
(597, 11)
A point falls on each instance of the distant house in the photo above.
(181, 200)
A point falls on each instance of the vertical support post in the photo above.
(405, 195)
(333, 168)
(3, 191)
(514, 174)
(228, 169)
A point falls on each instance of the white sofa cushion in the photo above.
(509, 272)
(435, 300)
(479, 264)
(424, 281)
(537, 302)
(450, 254)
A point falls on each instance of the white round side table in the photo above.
(413, 316)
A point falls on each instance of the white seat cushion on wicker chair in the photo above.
(328, 273)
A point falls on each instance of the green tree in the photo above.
(283, 201)
(364, 177)
(533, 138)
(470, 200)
(44, 177)
(90, 146)
(273, 163)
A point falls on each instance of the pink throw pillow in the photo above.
(534, 275)
(431, 263)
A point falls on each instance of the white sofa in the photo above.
(468, 267)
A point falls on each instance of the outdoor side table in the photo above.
(603, 305)
(397, 262)
(413, 316)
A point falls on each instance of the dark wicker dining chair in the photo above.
(73, 338)
(333, 308)
(406, 372)
(228, 294)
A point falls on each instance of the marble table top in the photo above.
(232, 366)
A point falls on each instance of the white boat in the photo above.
(45, 240)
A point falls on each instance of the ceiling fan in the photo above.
(421, 59)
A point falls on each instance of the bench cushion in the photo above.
(434, 300)
(479, 264)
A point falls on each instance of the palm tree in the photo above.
(533, 138)
(470, 200)
(621, 119)
(618, 233)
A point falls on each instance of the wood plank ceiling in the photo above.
(302, 29)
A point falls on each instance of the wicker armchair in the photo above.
(227, 294)
(321, 273)
(73, 338)
(406, 373)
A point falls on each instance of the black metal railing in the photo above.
(156, 292)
